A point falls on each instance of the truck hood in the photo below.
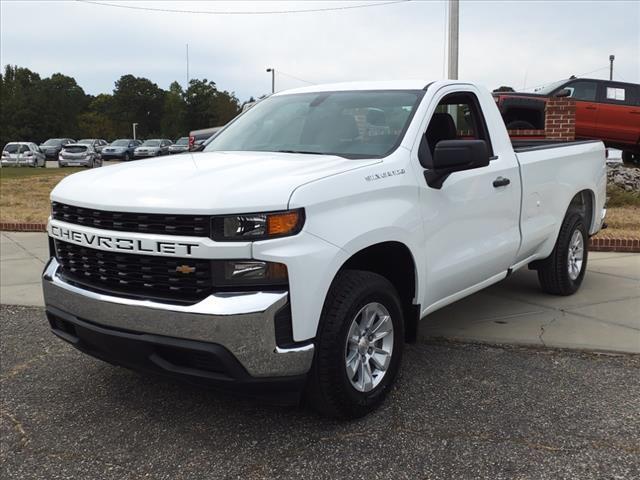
(201, 183)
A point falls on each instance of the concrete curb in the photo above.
(629, 245)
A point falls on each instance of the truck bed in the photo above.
(529, 145)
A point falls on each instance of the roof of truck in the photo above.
(369, 85)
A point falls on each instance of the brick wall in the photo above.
(560, 119)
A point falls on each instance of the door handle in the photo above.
(501, 182)
(590, 108)
(635, 112)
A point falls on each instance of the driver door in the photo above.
(472, 221)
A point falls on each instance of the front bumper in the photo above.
(240, 327)
(110, 155)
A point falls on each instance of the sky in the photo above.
(522, 44)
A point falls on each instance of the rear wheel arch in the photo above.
(583, 203)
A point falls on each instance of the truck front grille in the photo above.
(135, 276)
(164, 224)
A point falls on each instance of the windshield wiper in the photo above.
(304, 152)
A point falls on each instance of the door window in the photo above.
(457, 117)
(583, 91)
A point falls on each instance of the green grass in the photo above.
(7, 173)
(619, 197)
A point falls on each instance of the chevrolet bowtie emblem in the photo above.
(185, 269)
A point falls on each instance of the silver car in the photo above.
(22, 154)
(153, 148)
(97, 143)
(181, 145)
(79, 155)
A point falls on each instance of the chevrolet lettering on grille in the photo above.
(122, 244)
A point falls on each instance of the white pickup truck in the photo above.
(298, 252)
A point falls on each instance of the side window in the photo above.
(621, 93)
(457, 117)
(583, 91)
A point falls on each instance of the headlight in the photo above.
(249, 273)
(257, 226)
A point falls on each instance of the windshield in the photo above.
(546, 90)
(151, 143)
(52, 142)
(120, 143)
(86, 141)
(355, 124)
(182, 141)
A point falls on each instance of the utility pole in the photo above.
(611, 59)
(273, 79)
(134, 130)
(452, 42)
(187, 67)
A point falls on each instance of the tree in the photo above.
(173, 124)
(504, 89)
(139, 100)
(207, 106)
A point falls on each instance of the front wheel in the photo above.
(563, 271)
(127, 157)
(358, 347)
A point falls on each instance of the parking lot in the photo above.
(459, 411)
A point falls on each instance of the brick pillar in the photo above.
(560, 119)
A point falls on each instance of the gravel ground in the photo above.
(459, 411)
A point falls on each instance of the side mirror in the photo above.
(455, 156)
(565, 92)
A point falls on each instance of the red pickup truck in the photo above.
(605, 110)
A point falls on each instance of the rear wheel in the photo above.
(358, 347)
(127, 157)
(563, 271)
(631, 158)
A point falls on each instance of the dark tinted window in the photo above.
(52, 142)
(75, 149)
(583, 90)
(457, 117)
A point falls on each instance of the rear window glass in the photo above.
(75, 149)
(16, 148)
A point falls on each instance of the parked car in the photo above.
(97, 143)
(121, 149)
(312, 235)
(181, 145)
(16, 154)
(79, 155)
(197, 138)
(51, 148)
(153, 148)
(605, 110)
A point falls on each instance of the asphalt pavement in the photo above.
(459, 411)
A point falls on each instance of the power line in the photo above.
(238, 12)
(577, 76)
(280, 72)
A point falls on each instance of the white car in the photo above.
(298, 252)
(153, 148)
(79, 155)
(22, 154)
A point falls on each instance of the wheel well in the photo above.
(583, 203)
(392, 260)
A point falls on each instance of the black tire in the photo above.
(127, 157)
(520, 125)
(329, 390)
(553, 271)
(631, 158)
